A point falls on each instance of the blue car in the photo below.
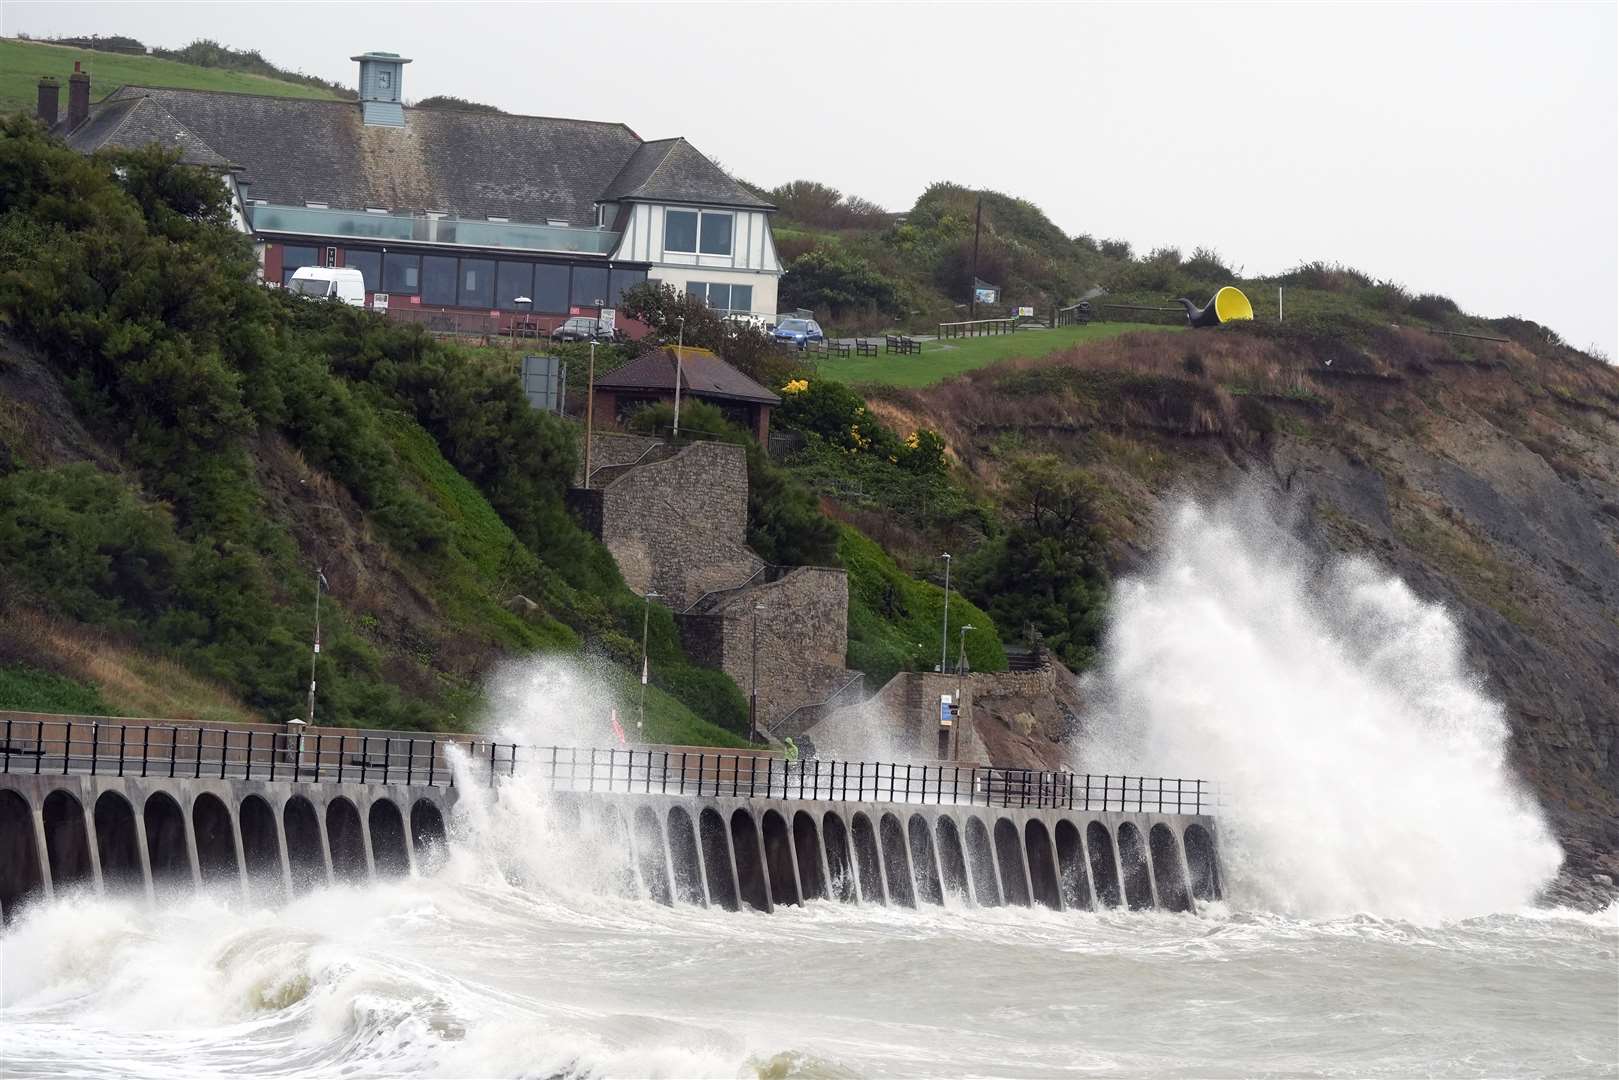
(798, 332)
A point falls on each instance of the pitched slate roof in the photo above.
(671, 170)
(134, 122)
(468, 164)
(702, 374)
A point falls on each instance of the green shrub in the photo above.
(27, 689)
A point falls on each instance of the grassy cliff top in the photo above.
(23, 62)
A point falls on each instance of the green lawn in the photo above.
(23, 62)
(941, 359)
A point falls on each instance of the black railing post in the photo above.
(146, 742)
(196, 761)
(860, 783)
(5, 764)
(736, 773)
(95, 744)
(492, 745)
(365, 757)
(174, 749)
(683, 773)
(39, 744)
(513, 770)
(123, 730)
(67, 747)
(891, 778)
(432, 754)
(1141, 782)
(224, 750)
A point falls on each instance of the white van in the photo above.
(329, 283)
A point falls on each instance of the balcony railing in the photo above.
(358, 225)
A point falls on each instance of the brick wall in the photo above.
(608, 448)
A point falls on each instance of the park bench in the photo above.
(834, 348)
(903, 345)
(865, 348)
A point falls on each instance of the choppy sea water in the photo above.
(446, 977)
(1379, 857)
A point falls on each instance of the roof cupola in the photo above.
(382, 90)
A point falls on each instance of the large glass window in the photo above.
(551, 288)
(589, 286)
(401, 274)
(478, 283)
(512, 280)
(719, 297)
(716, 238)
(438, 279)
(680, 230)
(741, 297)
(294, 257)
(369, 264)
(621, 280)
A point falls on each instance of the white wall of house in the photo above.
(751, 261)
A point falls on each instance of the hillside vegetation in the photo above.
(23, 62)
(182, 450)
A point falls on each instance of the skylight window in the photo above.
(316, 205)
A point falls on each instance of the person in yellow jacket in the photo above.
(791, 748)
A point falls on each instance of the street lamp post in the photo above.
(753, 695)
(590, 407)
(961, 670)
(679, 348)
(944, 632)
(646, 616)
(320, 583)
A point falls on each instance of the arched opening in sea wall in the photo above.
(67, 842)
(688, 869)
(750, 871)
(649, 856)
(900, 890)
(779, 859)
(722, 890)
(216, 842)
(952, 863)
(117, 844)
(261, 845)
(427, 834)
(20, 878)
(1166, 868)
(868, 864)
(839, 864)
(304, 850)
(807, 848)
(981, 863)
(166, 843)
(1009, 853)
(1071, 878)
(1202, 862)
(1104, 871)
(929, 890)
(345, 841)
(1137, 878)
(1042, 864)
(388, 849)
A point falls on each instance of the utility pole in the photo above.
(320, 583)
(753, 696)
(978, 223)
(678, 350)
(590, 408)
(646, 617)
(944, 632)
(961, 671)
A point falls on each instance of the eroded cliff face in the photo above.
(1486, 476)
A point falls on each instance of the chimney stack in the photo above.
(49, 94)
(78, 97)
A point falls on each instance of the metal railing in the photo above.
(159, 751)
(790, 726)
(977, 327)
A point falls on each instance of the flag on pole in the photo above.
(618, 730)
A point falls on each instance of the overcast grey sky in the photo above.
(1467, 149)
